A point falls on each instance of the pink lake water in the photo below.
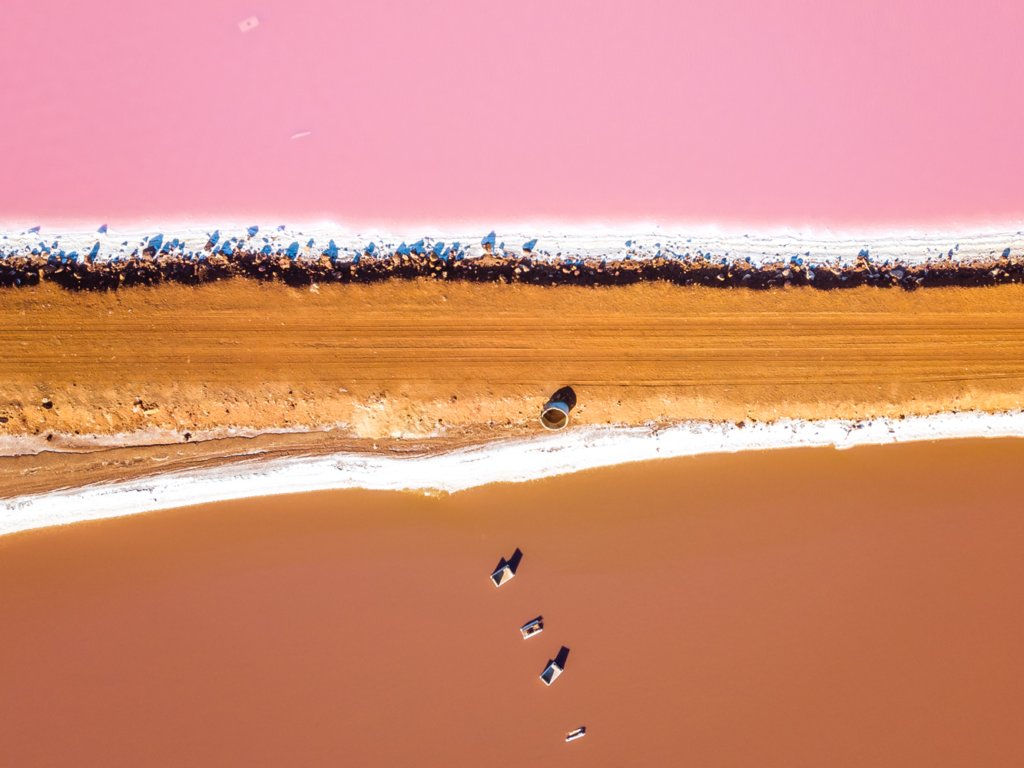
(799, 113)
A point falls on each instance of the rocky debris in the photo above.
(151, 267)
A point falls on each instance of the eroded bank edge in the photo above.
(516, 460)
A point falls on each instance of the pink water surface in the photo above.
(790, 112)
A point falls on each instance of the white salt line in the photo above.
(504, 461)
(543, 242)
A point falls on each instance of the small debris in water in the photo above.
(531, 628)
(246, 24)
(506, 568)
(555, 667)
(576, 734)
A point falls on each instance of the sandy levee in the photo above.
(100, 385)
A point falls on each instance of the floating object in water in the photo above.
(555, 667)
(506, 568)
(246, 24)
(531, 628)
(576, 734)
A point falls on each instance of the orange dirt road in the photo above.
(388, 359)
(426, 365)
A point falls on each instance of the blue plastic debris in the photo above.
(403, 249)
(226, 248)
(103, 229)
(370, 249)
(530, 244)
(265, 250)
(253, 230)
(489, 240)
(310, 243)
(34, 229)
(156, 242)
(293, 251)
(438, 247)
(417, 247)
(332, 250)
(95, 251)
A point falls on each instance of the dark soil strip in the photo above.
(149, 269)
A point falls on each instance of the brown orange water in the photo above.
(794, 608)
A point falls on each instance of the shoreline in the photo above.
(106, 260)
(503, 461)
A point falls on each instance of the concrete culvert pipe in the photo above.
(555, 416)
(555, 413)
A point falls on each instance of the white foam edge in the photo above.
(508, 461)
(554, 242)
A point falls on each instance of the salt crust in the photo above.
(504, 461)
(542, 242)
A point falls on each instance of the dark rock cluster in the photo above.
(150, 268)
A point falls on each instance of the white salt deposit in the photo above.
(542, 242)
(504, 461)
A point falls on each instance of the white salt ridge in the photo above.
(554, 243)
(504, 461)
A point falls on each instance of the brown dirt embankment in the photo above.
(147, 267)
(415, 365)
